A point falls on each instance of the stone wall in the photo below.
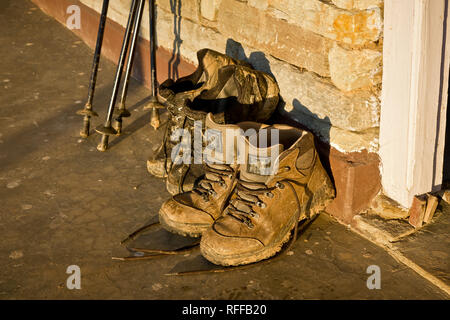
(325, 54)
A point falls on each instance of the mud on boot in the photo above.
(240, 94)
(160, 163)
(174, 94)
(278, 187)
(191, 213)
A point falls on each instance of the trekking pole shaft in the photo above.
(153, 77)
(123, 98)
(154, 120)
(121, 63)
(98, 51)
(93, 81)
(107, 128)
(131, 55)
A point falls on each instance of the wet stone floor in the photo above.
(64, 203)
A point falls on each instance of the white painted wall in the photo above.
(414, 97)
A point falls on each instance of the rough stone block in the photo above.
(357, 181)
(118, 10)
(380, 230)
(311, 94)
(355, 28)
(355, 69)
(358, 4)
(259, 4)
(209, 9)
(189, 38)
(305, 93)
(343, 140)
(347, 121)
(432, 204)
(96, 5)
(387, 208)
(188, 9)
(422, 209)
(282, 40)
(446, 196)
(292, 83)
(417, 211)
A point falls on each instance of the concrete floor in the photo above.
(64, 203)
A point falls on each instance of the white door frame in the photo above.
(416, 57)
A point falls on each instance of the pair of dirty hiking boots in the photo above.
(249, 194)
(228, 88)
(260, 182)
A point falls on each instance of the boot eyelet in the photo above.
(279, 185)
(269, 195)
(212, 192)
(255, 214)
(261, 204)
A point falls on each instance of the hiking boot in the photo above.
(191, 213)
(278, 187)
(175, 93)
(161, 163)
(240, 94)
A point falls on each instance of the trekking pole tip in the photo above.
(154, 120)
(103, 145)
(87, 113)
(119, 126)
(84, 134)
(154, 105)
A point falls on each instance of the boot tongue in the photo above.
(257, 165)
(220, 144)
(259, 162)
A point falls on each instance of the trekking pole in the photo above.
(88, 112)
(106, 130)
(122, 111)
(153, 104)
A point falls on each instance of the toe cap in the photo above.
(220, 246)
(181, 213)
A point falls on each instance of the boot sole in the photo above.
(273, 248)
(193, 230)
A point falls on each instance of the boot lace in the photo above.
(247, 196)
(214, 175)
(241, 207)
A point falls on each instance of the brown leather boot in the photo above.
(272, 195)
(241, 94)
(191, 213)
(175, 94)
